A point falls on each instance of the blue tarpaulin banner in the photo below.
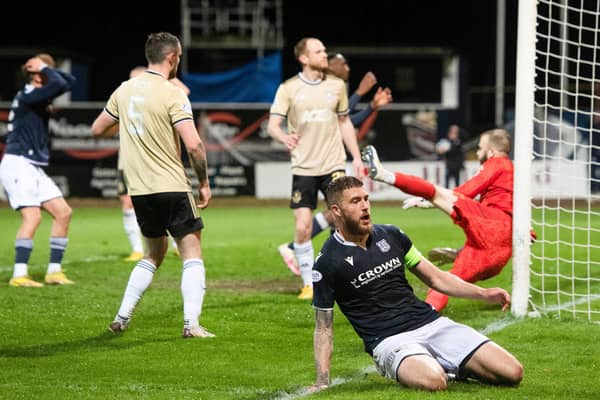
(254, 82)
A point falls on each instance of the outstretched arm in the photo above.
(323, 347)
(452, 285)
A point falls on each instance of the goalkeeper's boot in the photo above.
(134, 256)
(24, 281)
(442, 255)
(306, 293)
(57, 278)
(196, 331)
(374, 167)
(289, 258)
(118, 325)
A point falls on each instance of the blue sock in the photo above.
(23, 248)
(57, 249)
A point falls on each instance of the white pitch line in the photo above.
(9, 268)
(335, 382)
(573, 303)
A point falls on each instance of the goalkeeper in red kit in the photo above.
(486, 222)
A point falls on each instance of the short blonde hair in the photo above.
(300, 47)
(499, 140)
(47, 58)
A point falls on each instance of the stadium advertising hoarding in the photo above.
(235, 135)
(83, 166)
(243, 159)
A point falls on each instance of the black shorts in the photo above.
(172, 212)
(121, 186)
(305, 189)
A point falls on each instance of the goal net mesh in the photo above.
(565, 260)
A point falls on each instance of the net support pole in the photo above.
(523, 151)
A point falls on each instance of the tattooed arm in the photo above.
(323, 347)
(197, 155)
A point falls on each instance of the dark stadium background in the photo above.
(108, 38)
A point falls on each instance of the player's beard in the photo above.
(355, 228)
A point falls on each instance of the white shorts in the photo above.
(448, 342)
(26, 184)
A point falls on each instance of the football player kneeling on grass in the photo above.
(363, 268)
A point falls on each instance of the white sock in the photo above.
(388, 176)
(20, 270)
(193, 288)
(139, 280)
(320, 218)
(132, 229)
(53, 267)
(306, 257)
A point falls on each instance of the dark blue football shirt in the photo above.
(370, 286)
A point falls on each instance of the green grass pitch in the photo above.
(54, 342)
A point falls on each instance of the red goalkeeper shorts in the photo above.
(489, 240)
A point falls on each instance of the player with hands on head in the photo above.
(28, 187)
(362, 267)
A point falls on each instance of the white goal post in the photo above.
(557, 160)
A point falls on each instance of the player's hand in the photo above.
(291, 141)
(34, 65)
(381, 98)
(498, 296)
(204, 195)
(416, 202)
(366, 83)
(360, 169)
(316, 388)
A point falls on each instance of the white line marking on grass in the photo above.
(9, 268)
(572, 303)
(335, 382)
(6, 268)
(498, 325)
(92, 259)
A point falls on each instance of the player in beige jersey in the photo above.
(130, 224)
(315, 105)
(152, 115)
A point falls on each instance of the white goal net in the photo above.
(557, 160)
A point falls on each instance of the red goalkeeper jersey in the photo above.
(493, 183)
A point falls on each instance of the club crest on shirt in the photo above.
(383, 245)
(316, 276)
